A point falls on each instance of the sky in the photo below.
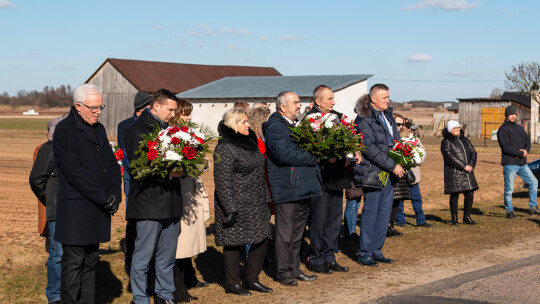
(435, 50)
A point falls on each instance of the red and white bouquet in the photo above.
(325, 135)
(118, 154)
(407, 153)
(175, 149)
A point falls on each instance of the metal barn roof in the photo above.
(270, 86)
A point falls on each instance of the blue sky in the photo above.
(435, 50)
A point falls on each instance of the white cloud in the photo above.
(232, 47)
(263, 38)
(290, 38)
(445, 5)
(204, 30)
(6, 4)
(158, 28)
(462, 73)
(419, 58)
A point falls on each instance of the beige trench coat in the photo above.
(192, 238)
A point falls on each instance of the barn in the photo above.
(210, 101)
(482, 116)
(121, 79)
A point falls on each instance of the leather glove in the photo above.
(112, 204)
(230, 220)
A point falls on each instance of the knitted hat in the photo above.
(142, 99)
(452, 124)
(509, 111)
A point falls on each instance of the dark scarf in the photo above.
(248, 142)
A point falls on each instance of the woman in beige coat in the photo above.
(192, 238)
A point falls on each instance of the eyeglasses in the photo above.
(94, 109)
(399, 124)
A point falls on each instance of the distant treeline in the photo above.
(50, 97)
(423, 104)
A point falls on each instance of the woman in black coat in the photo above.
(459, 161)
(241, 213)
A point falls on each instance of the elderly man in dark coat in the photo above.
(294, 179)
(376, 123)
(156, 205)
(89, 192)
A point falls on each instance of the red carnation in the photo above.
(175, 140)
(119, 154)
(184, 129)
(151, 144)
(189, 152)
(152, 154)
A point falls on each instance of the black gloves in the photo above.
(112, 204)
(230, 220)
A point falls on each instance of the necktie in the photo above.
(385, 124)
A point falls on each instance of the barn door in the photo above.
(492, 118)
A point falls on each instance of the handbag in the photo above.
(354, 193)
(411, 178)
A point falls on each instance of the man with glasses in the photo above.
(89, 192)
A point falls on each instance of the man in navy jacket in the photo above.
(294, 179)
(89, 192)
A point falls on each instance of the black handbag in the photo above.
(411, 178)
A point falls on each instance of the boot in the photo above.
(180, 294)
(453, 213)
(467, 207)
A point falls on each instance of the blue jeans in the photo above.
(350, 216)
(509, 172)
(54, 266)
(416, 201)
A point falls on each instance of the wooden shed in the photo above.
(121, 79)
(482, 116)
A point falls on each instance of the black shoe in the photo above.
(510, 215)
(534, 211)
(367, 261)
(159, 300)
(288, 282)
(336, 267)
(426, 225)
(468, 220)
(237, 289)
(351, 237)
(454, 221)
(382, 259)
(319, 269)
(392, 232)
(305, 278)
(257, 286)
(401, 224)
(199, 284)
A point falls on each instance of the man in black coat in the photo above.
(89, 192)
(141, 102)
(376, 123)
(294, 179)
(156, 206)
(515, 146)
(327, 209)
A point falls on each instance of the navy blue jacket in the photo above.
(375, 157)
(292, 172)
(512, 137)
(121, 137)
(88, 174)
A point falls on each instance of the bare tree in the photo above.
(496, 93)
(523, 76)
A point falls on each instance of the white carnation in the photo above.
(171, 155)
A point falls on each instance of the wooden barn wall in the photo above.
(470, 114)
(118, 96)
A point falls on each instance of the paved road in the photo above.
(512, 282)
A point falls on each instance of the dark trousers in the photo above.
(131, 235)
(78, 278)
(185, 265)
(467, 203)
(395, 210)
(290, 220)
(231, 256)
(326, 211)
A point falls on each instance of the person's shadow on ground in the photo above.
(108, 286)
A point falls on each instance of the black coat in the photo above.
(293, 173)
(458, 152)
(512, 138)
(375, 157)
(44, 179)
(88, 174)
(152, 198)
(334, 176)
(240, 186)
(121, 136)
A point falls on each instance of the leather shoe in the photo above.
(367, 261)
(257, 286)
(382, 259)
(351, 237)
(392, 232)
(510, 215)
(426, 225)
(454, 221)
(200, 284)
(288, 282)
(468, 220)
(237, 289)
(535, 211)
(159, 300)
(401, 224)
(319, 269)
(336, 267)
(306, 278)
